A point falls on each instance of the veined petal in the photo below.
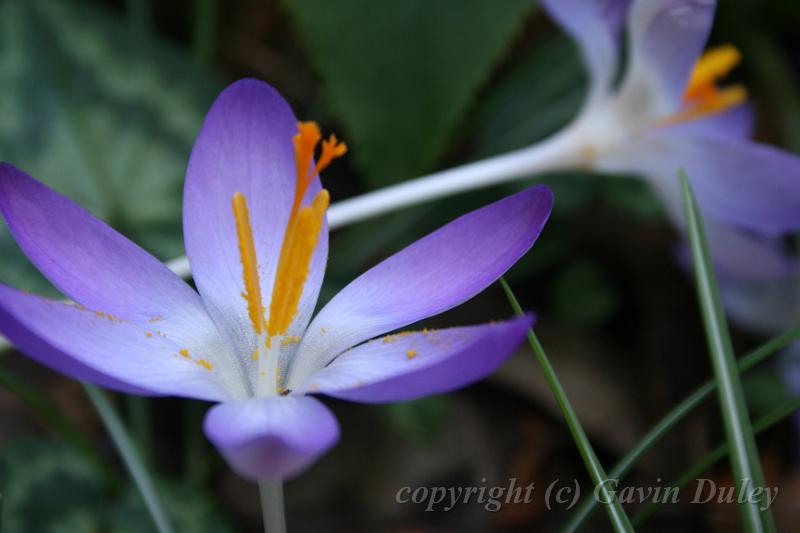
(436, 273)
(108, 350)
(410, 365)
(273, 437)
(586, 23)
(87, 259)
(666, 38)
(245, 146)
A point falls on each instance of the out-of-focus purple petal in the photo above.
(747, 256)
(614, 13)
(88, 260)
(737, 123)
(666, 38)
(245, 146)
(586, 24)
(108, 350)
(766, 307)
(436, 273)
(745, 183)
(406, 366)
(271, 438)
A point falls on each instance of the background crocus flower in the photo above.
(667, 112)
(256, 236)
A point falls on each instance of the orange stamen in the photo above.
(702, 96)
(302, 228)
(247, 255)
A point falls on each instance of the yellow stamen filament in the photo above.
(302, 229)
(247, 255)
(702, 96)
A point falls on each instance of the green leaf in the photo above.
(48, 487)
(537, 95)
(738, 429)
(102, 112)
(764, 423)
(662, 428)
(616, 514)
(399, 75)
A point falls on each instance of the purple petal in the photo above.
(667, 37)
(89, 261)
(736, 123)
(245, 146)
(409, 365)
(747, 256)
(614, 13)
(585, 22)
(744, 183)
(271, 438)
(108, 350)
(436, 273)
(766, 307)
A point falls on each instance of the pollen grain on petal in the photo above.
(411, 354)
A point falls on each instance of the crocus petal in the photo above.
(744, 256)
(434, 274)
(410, 365)
(765, 307)
(88, 260)
(585, 22)
(271, 438)
(245, 146)
(738, 122)
(108, 350)
(748, 184)
(666, 38)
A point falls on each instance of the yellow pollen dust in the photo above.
(702, 96)
(303, 227)
(247, 255)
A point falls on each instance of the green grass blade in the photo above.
(130, 456)
(738, 430)
(719, 453)
(619, 520)
(661, 428)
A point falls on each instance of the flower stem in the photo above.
(556, 153)
(272, 506)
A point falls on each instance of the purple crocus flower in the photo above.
(668, 112)
(256, 236)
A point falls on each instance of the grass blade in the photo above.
(738, 430)
(719, 453)
(661, 428)
(619, 520)
(130, 456)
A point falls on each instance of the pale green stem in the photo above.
(272, 506)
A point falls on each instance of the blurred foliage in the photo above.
(47, 487)
(401, 93)
(103, 112)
